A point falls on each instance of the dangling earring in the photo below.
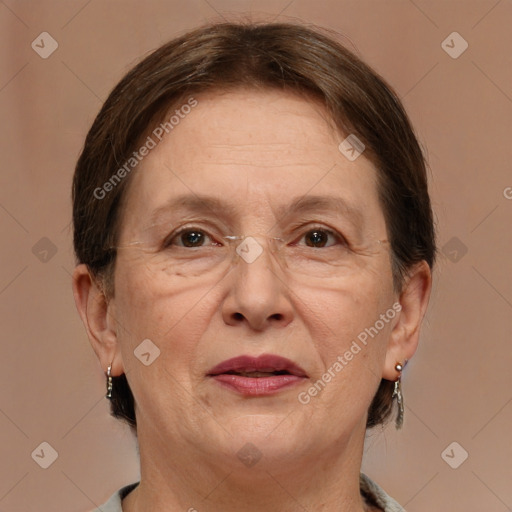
(109, 382)
(397, 392)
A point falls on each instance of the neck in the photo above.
(176, 479)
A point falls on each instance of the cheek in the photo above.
(350, 342)
(350, 338)
(172, 317)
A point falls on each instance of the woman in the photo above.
(255, 241)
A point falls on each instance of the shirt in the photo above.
(371, 491)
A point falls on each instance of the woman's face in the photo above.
(256, 154)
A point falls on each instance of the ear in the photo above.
(98, 317)
(406, 331)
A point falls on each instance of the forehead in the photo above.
(254, 150)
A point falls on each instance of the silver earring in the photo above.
(397, 392)
(109, 382)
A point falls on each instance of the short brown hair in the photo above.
(289, 57)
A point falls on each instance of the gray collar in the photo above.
(371, 491)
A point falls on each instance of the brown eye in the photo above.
(316, 238)
(319, 237)
(188, 238)
(192, 238)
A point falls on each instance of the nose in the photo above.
(258, 295)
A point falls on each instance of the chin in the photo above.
(272, 437)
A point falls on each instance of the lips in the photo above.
(266, 363)
(261, 375)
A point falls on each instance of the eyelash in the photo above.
(175, 235)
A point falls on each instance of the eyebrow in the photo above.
(197, 203)
(205, 204)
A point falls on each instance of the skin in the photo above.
(256, 150)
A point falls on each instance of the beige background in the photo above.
(459, 385)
